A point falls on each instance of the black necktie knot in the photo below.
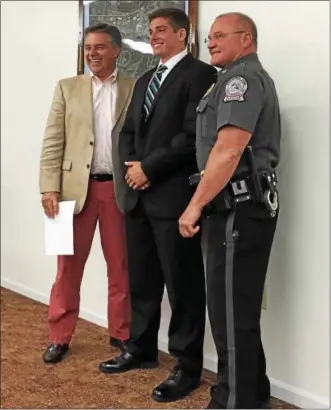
(161, 69)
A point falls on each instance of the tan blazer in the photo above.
(67, 147)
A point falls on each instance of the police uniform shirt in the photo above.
(245, 97)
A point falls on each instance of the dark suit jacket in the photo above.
(165, 143)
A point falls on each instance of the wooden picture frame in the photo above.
(114, 13)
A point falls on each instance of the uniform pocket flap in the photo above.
(66, 165)
(202, 105)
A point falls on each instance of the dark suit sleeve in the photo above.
(182, 145)
(126, 138)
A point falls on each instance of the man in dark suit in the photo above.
(157, 143)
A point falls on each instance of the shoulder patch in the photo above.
(209, 90)
(235, 89)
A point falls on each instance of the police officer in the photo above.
(238, 149)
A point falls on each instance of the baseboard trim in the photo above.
(44, 298)
(24, 290)
(299, 397)
(279, 389)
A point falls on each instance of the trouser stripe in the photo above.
(230, 310)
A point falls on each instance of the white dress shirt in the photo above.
(104, 99)
(171, 63)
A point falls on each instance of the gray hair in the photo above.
(112, 31)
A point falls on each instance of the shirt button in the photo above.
(91, 142)
(88, 166)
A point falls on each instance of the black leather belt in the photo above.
(102, 177)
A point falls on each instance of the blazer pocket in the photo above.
(66, 165)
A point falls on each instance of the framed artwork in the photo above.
(131, 18)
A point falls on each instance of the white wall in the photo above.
(294, 46)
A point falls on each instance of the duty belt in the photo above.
(261, 189)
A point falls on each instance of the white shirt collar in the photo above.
(174, 60)
(112, 77)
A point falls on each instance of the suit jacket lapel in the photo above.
(170, 79)
(85, 99)
(141, 101)
(123, 91)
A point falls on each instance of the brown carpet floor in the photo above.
(76, 382)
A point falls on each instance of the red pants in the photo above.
(63, 313)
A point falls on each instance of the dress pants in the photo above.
(63, 313)
(238, 249)
(158, 256)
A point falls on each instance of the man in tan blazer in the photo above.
(79, 161)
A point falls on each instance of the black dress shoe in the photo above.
(124, 363)
(178, 385)
(119, 344)
(55, 352)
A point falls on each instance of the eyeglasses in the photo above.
(221, 36)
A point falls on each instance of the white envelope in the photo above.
(59, 235)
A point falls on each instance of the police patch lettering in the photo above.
(235, 89)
